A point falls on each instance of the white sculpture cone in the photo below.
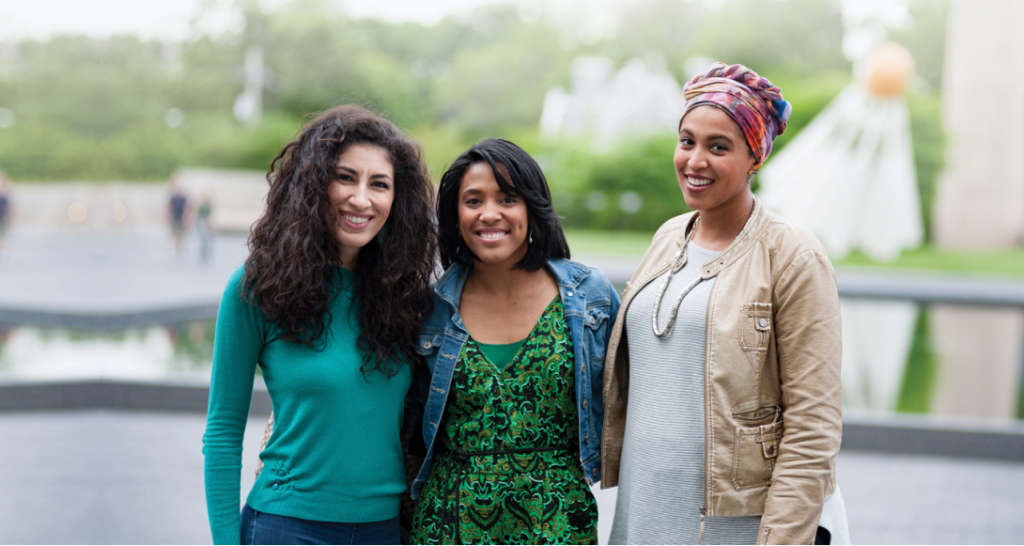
(849, 177)
(876, 342)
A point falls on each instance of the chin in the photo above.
(354, 241)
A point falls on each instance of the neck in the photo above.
(500, 280)
(347, 257)
(720, 225)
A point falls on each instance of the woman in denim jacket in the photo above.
(515, 344)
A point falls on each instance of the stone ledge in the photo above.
(931, 436)
(109, 320)
(118, 395)
(890, 434)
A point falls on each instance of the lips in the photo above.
(356, 221)
(492, 234)
(698, 181)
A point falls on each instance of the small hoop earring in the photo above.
(531, 236)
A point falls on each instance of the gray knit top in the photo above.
(661, 476)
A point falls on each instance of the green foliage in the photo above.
(796, 37)
(95, 109)
(641, 167)
(929, 141)
(920, 373)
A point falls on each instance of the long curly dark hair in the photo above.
(294, 253)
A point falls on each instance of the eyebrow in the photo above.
(713, 136)
(474, 191)
(353, 172)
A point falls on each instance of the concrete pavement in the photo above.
(107, 477)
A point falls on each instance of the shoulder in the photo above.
(666, 241)
(787, 236)
(235, 283)
(441, 310)
(673, 227)
(593, 279)
(790, 242)
(236, 302)
(575, 274)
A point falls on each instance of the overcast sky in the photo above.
(168, 19)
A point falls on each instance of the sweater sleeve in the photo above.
(237, 345)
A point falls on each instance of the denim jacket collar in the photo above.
(568, 274)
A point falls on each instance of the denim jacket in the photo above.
(590, 305)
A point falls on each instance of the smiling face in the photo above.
(493, 225)
(361, 196)
(712, 160)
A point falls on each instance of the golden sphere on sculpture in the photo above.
(890, 70)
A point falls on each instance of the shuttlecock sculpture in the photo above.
(849, 175)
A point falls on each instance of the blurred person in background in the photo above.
(177, 206)
(515, 344)
(722, 382)
(5, 207)
(204, 227)
(328, 305)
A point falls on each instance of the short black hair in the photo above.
(528, 182)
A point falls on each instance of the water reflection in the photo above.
(950, 360)
(898, 356)
(157, 352)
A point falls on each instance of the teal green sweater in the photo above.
(335, 453)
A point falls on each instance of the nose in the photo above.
(360, 198)
(490, 212)
(698, 158)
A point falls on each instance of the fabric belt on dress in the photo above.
(461, 458)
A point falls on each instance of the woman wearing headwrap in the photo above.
(722, 391)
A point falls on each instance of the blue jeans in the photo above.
(264, 528)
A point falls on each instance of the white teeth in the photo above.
(699, 181)
(356, 219)
(492, 235)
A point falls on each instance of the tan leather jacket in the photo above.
(773, 421)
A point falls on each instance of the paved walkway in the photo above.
(119, 272)
(137, 478)
(111, 272)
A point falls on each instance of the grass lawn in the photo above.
(592, 241)
(1003, 262)
(998, 262)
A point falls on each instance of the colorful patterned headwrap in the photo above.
(750, 100)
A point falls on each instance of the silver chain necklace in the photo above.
(676, 264)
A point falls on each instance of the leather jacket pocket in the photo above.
(755, 452)
(755, 326)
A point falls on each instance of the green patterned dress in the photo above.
(508, 470)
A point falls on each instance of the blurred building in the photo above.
(608, 106)
(980, 197)
(237, 199)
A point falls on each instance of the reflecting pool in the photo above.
(180, 351)
(898, 357)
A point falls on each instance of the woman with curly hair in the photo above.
(516, 344)
(722, 388)
(327, 306)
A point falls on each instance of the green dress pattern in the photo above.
(508, 469)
